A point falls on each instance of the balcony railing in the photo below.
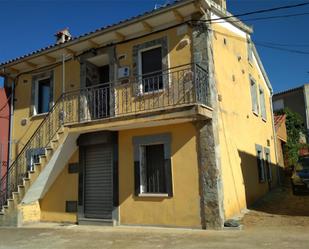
(176, 87)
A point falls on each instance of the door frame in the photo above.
(96, 138)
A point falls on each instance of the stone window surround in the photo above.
(139, 141)
(136, 58)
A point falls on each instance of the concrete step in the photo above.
(21, 191)
(26, 183)
(16, 198)
(95, 222)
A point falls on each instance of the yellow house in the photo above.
(164, 119)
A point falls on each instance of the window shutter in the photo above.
(32, 103)
(137, 178)
(168, 177)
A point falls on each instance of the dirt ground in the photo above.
(280, 220)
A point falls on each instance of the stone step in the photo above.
(95, 222)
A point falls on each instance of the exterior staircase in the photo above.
(19, 177)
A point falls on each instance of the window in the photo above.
(250, 51)
(152, 169)
(151, 69)
(260, 163)
(268, 165)
(278, 105)
(262, 104)
(152, 165)
(254, 97)
(41, 93)
(43, 96)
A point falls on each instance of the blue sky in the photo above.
(29, 25)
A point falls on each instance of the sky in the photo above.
(29, 25)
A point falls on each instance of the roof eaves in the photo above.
(262, 68)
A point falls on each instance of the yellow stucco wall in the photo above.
(65, 188)
(239, 128)
(21, 134)
(183, 209)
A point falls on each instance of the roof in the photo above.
(262, 68)
(289, 90)
(278, 120)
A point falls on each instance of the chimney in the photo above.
(63, 36)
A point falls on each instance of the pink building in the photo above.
(4, 129)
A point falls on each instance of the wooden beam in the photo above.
(93, 44)
(147, 26)
(119, 36)
(50, 58)
(13, 70)
(70, 51)
(30, 64)
(178, 16)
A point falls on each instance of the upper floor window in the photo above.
(151, 69)
(250, 50)
(278, 105)
(262, 103)
(41, 93)
(254, 96)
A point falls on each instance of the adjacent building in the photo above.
(163, 119)
(4, 129)
(297, 100)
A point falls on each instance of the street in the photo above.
(280, 220)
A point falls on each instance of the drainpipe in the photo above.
(275, 137)
(63, 87)
(63, 73)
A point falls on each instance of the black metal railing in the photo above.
(183, 85)
(174, 87)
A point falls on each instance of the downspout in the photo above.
(275, 137)
(63, 73)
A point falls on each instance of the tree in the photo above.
(295, 127)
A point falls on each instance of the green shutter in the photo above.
(137, 178)
(168, 177)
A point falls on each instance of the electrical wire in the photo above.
(259, 11)
(264, 18)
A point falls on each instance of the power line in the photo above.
(281, 48)
(262, 44)
(266, 18)
(284, 44)
(260, 11)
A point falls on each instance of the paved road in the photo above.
(270, 225)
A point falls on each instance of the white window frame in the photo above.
(253, 83)
(262, 103)
(140, 71)
(36, 95)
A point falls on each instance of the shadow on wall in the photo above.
(254, 188)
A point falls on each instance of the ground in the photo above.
(280, 220)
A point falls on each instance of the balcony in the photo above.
(175, 89)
